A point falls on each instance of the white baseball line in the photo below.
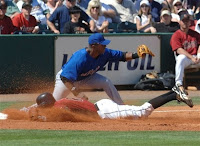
(169, 111)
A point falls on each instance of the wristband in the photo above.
(135, 55)
(198, 55)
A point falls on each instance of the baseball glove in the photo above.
(142, 50)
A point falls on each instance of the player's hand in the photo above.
(59, 3)
(198, 57)
(195, 60)
(79, 94)
(35, 116)
(149, 19)
(198, 60)
(105, 23)
(56, 31)
(82, 96)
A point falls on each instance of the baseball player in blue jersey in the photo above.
(80, 72)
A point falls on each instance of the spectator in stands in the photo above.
(12, 8)
(167, 4)
(191, 4)
(124, 9)
(39, 10)
(155, 9)
(177, 5)
(191, 13)
(53, 4)
(165, 24)
(6, 26)
(107, 11)
(61, 15)
(94, 11)
(24, 22)
(144, 18)
(76, 26)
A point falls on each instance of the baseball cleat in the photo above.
(182, 95)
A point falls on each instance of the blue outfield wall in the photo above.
(27, 61)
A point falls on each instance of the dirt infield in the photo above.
(178, 118)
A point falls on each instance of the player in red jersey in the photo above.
(186, 45)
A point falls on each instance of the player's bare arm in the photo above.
(198, 54)
(73, 89)
(48, 15)
(92, 25)
(182, 51)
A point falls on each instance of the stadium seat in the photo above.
(127, 27)
(197, 16)
(112, 27)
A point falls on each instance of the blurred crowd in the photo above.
(89, 16)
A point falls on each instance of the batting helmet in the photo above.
(45, 100)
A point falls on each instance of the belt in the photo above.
(97, 108)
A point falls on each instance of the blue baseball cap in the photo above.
(97, 38)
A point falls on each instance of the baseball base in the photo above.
(3, 116)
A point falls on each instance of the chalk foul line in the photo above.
(169, 111)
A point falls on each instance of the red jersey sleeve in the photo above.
(175, 41)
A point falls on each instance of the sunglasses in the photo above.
(178, 5)
(95, 7)
(144, 6)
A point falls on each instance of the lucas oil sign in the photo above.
(120, 73)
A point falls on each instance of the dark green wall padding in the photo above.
(25, 62)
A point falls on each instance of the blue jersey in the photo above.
(81, 65)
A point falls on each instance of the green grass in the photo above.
(98, 138)
(16, 105)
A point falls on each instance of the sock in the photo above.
(162, 99)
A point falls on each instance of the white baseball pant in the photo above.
(110, 110)
(95, 81)
(181, 63)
